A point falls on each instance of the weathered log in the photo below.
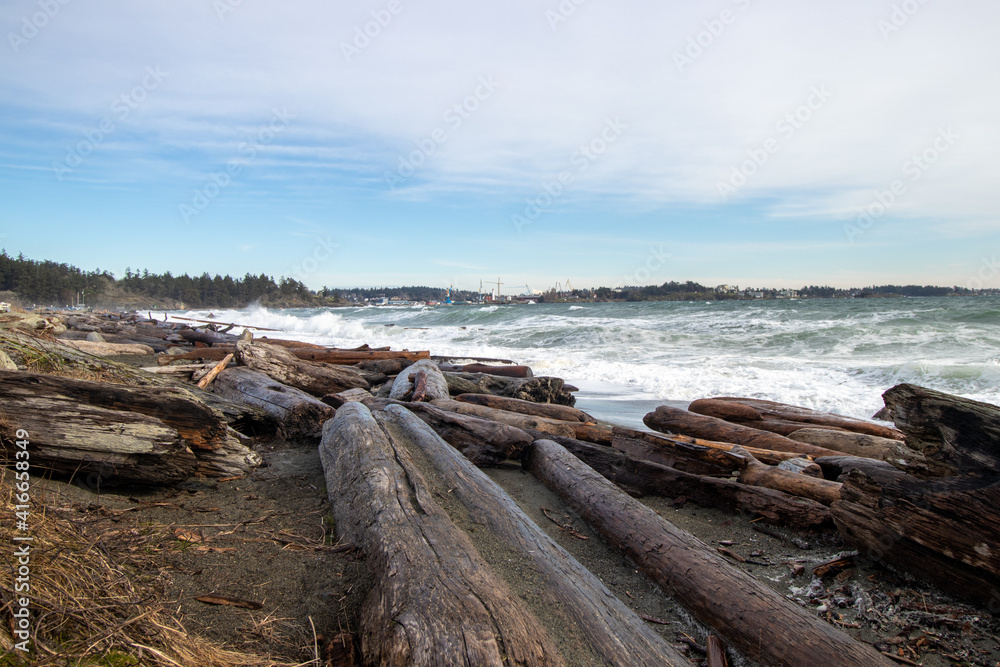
(506, 371)
(868, 446)
(547, 410)
(946, 531)
(643, 478)
(837, 467)
(715, 652)
(515, 419)
(297, 414)
(614, 631)
(535, 389)
(384, 366)
(207, 337)
(293, 344)
(435, 601)
(214, 373)
(694, 458)
(108, 349)
(349, 357)
(772, 410)
(671, 442)
(217, 353)
(756, 473)
(283, 366)
(181, 369)
(667, 419)
(435, 384)
(960, 433)
(118, 433)
(747, 613)
(482, 441)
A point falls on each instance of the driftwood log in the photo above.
(747, 613)
(889, 450)
(283, 366)
(960, 433)
(756, 473)
(677, 449)
(350, 357)
(482, 441)
(644, 478)
(435, 601)
(119, 433)
(297, 414)
(674, 420)
(515, 419)
(535, 389)
(547, 410)
(614, 631)
(782, 413)
(434, 384)
(507, 371)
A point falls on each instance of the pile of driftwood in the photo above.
(922, 495)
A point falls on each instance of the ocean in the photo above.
(837, 355)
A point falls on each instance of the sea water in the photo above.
(837, 355)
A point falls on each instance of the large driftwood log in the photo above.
(772, 411)
(435, 601)
(435, 385)
(747, 613)
(108, 349)
(119, 433)
(756, 473)
(644, 478)
(614, 631)
(535, 389)
(217, 353)
(674, 420)
(869, 446)
(286, 368)
(960, 433)
(514, 419)
(350, 357)
(507, 371)
(674, 446)
(482, 441)
(946, 531)
(547, 410)
(297, 414)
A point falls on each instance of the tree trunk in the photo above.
(960, 433)
(796, 483)
(514, 419)
(547, 410)
(754, 618)
(506, 371)
(613, 630)
(667, 419)
(120, 434)
(436, 387)
(868, 446)
(108, 349)
(435, 602)
(688, 457)
(946, 531)
(644, 478)
(771, 410)
(284, 367)
(482, 441)
(204, 354)
(297, 414)
(687, 446)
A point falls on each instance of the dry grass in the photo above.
(96, 593)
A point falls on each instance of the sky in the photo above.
(401, 142)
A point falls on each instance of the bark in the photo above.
(642, 478)
(547, 410)
(613, 630)
(120, 434)
(745, 612)
(297, 414)
(946, 531)
(436, 386)
(435, 601)
(771, 410)
(284, 367)
(960, 433)
(667, 419)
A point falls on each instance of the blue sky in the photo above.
(396, 142)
